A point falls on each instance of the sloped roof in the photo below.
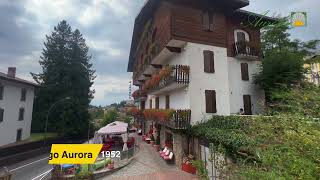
(16, 79)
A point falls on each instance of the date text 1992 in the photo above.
(111, 154)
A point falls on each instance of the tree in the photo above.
(284, 58)
(110, 116)
(66, 72)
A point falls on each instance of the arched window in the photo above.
(241, 36)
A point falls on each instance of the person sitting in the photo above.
(241, 112)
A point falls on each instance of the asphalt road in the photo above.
(35, 168)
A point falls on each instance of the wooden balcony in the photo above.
(178, 77)
(247, 50)
(181, 120)
(174, 119)
(155, 58)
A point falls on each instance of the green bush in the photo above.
(283, 146)
(202, 171)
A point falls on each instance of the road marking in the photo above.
(43, 174)
(28, 164)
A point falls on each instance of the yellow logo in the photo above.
(74, 153)
(298, 19)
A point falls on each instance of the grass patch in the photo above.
(40, 136)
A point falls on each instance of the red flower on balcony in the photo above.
(135, 94)
(134, 111)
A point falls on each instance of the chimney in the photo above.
(11, 72)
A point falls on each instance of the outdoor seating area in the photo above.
(167, 155)
(114, 137)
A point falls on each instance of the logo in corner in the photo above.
(298, 19)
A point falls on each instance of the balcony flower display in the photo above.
(135, 94)
(170, 73)
(134, 111)
(165, 72)
(158, 114)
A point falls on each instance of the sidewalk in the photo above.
(149, 165)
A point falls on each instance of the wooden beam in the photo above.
(174, 49)
(157, 66)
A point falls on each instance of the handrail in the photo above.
(247, 49)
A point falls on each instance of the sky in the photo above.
(107, 27)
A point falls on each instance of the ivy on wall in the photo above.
(265, 147)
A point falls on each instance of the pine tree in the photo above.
(66, 72)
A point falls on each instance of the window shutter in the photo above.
(208, 61)
(142, 105)
(211, 21)
(157, 102)
(1, 92)
(205, 21)
(150, 104)
(244, 72)
(167, 102)
(211, 106)
(23, 94)
(1, 114)
(21, 114)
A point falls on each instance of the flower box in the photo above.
(189, 168)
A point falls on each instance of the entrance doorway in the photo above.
(247, 105)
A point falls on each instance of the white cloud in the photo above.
(99, 8)
(109, 84)
(105, 47)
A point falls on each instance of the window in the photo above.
(207, 21)
(241, 36)
(150, 104)
(244, 72)
(157, 102)
(208, 61)
(167, 102)
(1, 114)
(23, 94)
(19, 135)
(1, 92)
(210, 101)
(21, 114)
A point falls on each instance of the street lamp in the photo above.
(51, 107)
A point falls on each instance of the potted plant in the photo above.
(111, 165)
(157, 145)
(152, 141)
(187, 165)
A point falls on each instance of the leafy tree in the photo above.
(66, 72)
(284, 58)
(110, 116)
(280, 70)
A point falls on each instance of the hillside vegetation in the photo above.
(285, 145)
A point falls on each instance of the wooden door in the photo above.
(247, 105)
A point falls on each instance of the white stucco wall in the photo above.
(226, 81)
(201, 81)
(238, 87)
(11, 104)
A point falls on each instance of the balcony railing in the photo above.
(175, 119)
(178, 75)
(139, 94)
(247, 50)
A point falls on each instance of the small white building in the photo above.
(16, 106)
